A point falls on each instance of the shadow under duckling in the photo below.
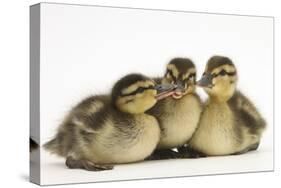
(230, 123)
(179, 114)
(105, 130)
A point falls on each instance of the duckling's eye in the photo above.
(150, 87)
(191, 77)
(140, 90)
(222, 73)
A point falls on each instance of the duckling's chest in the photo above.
(125, 144)
(179, 121)
(215, 134)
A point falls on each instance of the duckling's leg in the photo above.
(85, 164)
(250, 148)
(163, 154)
(187, 152)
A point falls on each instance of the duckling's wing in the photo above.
(91, 113)
(247, 112)
(83, 121)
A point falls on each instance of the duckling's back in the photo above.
(79, 122)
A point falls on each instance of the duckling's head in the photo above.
(136, 94)
(219, 78)
(182, 73)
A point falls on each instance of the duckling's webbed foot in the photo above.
(85, 164)
(163, 154)
(187, 152)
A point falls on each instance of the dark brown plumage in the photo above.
(217, 61)
(125, 82)
(182, 64)
(242, 108)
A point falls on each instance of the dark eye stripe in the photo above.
(190, 76)
(139, 90)
(231, 73)
(171, 74)
(223, 73)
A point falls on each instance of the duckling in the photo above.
(105, 130)
(230, 123)
(179, 114)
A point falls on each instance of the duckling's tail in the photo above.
(54, 147)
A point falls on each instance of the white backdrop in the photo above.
(85, 49)
(15, 86)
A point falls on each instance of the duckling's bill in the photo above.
(205, 81)
(164, 90)
(179, 90)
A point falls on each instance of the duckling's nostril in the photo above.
(158, 87)
(205, 81)
(181, 86)
(164, 87)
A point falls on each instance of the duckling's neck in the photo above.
(223, 96)
(219, 99)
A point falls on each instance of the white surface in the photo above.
(14, 93)
(55, 172)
